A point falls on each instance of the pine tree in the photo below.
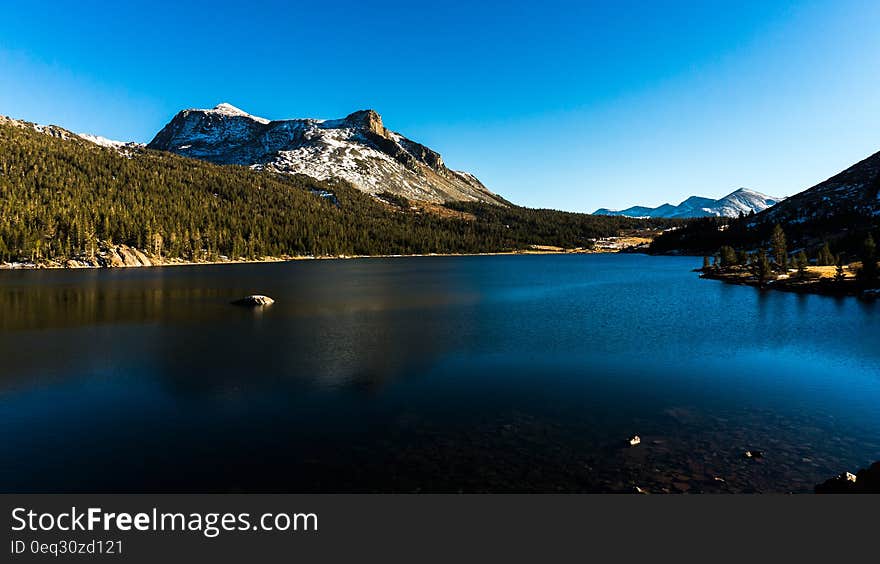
(839, 275)
(825, 257)
(868, 272)
(728, 256)
(779, 247)
(802, 263)
(762, 267)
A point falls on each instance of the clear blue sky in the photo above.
(570, 105)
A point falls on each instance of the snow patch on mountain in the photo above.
(110, 143)
(226, 109)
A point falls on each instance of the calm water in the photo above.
(507, 373)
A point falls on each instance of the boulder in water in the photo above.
(255, 300)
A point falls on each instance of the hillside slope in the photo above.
(840, 210)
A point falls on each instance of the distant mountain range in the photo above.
(357, 148)
(742, 201)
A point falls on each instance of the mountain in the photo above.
(358, 149)
(742, 201)
(841, 210)
(67, 200)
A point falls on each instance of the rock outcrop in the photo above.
(123, 255)
(866, 480)
(111, 256)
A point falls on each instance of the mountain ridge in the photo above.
(739, 201)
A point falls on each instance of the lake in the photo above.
(433, 374)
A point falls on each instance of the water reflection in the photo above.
(326, 331)
(430, 373)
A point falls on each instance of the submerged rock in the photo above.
(255, 300)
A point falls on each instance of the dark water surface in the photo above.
(506, 373)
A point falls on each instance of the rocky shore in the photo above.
(125, 256)
(113, 256)
(122, 256)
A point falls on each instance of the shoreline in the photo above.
(536, 251)
(816, 285)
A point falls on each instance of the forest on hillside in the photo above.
(64, 198)
(842, 235)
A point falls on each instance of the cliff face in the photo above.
(357, 148)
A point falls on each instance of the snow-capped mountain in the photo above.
(742, 201)
(357, 148)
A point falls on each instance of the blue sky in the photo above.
(569, 105)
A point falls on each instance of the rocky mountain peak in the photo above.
(369, 120)
(224, 110)
(358, 149)
(230, 109)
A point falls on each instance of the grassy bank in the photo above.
(823, 280)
